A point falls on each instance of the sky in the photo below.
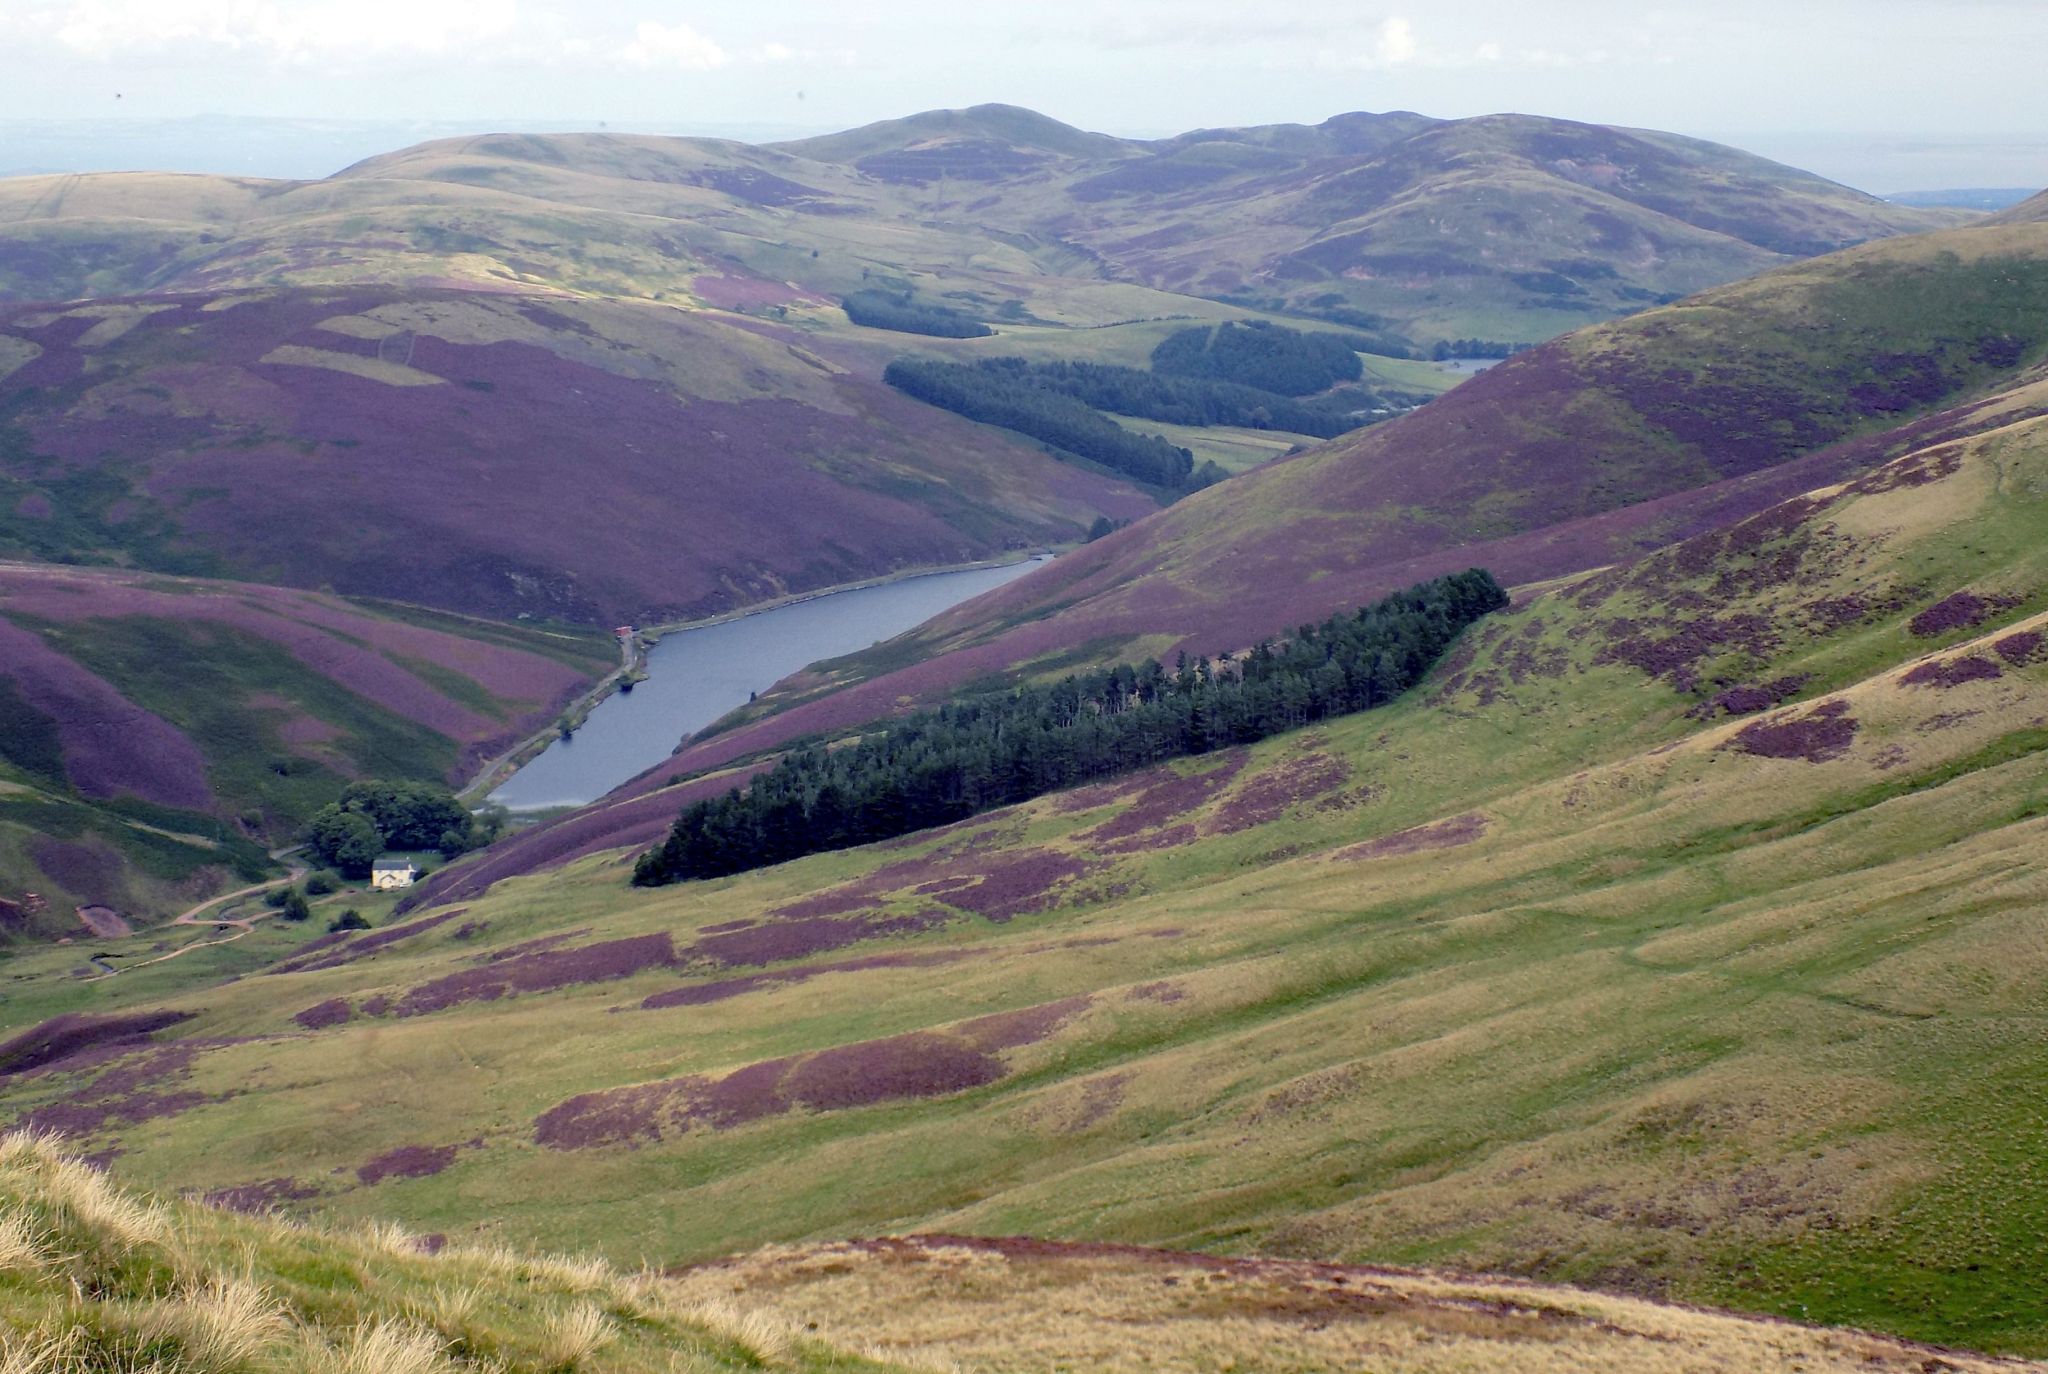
(1924, 92)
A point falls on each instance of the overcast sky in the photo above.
(1775, 75)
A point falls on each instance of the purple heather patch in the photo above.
(407, 1161)
(917, 1064)
(1957, 612)
(55, 1043)
(321, 1015)
(345, 947)
(541, 972)
(1167, 797)
(2022, 648)
(1952, 672)
(1824, 733)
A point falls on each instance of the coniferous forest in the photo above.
(1259, 354)
(898, 311)
(1001, 392)
(943, 765)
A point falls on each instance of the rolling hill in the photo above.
(158, 734)
(1505, 227)
(1677, 937)
(1508, 227)
(495, 454)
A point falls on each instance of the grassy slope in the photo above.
(162, 732)
(1730, 1009)
(127, 1283)
(2033, 210)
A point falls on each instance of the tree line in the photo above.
(937, 766)
(997, 394)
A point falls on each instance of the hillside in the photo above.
(1508, 227)
(1587, 451)
(2033, 210)
(494, 454)
(158, 734)
(126, 1282)
(1676, 938)
(1570, 455)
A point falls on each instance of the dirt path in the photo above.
(242, 925)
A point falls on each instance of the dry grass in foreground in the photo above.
(95, 1280)
(1024, 1305)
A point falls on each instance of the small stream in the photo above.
(697, 675)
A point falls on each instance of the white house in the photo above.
(393, 873)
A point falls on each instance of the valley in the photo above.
(1650, 979)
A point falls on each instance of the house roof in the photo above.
(392, 865)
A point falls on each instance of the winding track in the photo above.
(191, 917)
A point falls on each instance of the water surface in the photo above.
(696, 676)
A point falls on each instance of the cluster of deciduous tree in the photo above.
(372, 817)
(942, 765)
(1259, 354)
(906, 315)
(997, 393)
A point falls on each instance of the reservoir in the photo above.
(695, 676)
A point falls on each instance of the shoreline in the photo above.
(494, 774)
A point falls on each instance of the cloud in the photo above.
(672, 46)
(1396, 42)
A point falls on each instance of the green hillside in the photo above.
(96, 1278)
(1674, 937)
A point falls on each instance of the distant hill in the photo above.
(1988, 199)
(1503, 226)
(1507, 227)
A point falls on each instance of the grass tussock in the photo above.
(96, 1280)
(572, 1337)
